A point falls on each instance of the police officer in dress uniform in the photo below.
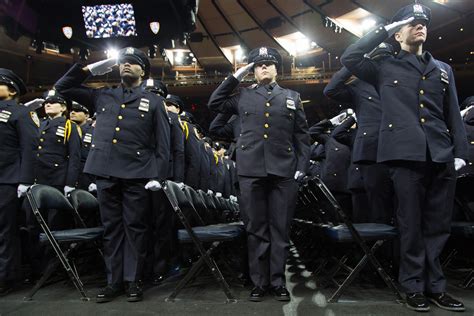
(80, 115)
(468, 118)
(129, 154)
(423, 141)
(272, 151)
(192, 154)
(18, 143)
(366, 101)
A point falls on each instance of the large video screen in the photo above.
(109, 20)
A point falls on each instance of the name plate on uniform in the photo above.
(144, 105)
(60, 131)
(5, 116)
(87, 138)
(290, 104)
(444, 76)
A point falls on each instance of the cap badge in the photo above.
(417, 8)
(129, 51)
(262, 51)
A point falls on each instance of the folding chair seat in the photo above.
(42, 199)
(207, 240)
(347, 232)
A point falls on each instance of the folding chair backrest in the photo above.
(86, 206)
(185, 202)
(48, 198)
(199, 205)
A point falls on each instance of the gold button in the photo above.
(138, 153)
(470, 164)
(472, 142)
(37, 155)
(365, 133)
(93, 145)
(423, 78)
(422, 92)
(395, 81)
(41, 140)
(43, 132)
(335, 174)
(114, 141)
(269, 92)
(370, 98)
(289, 148)
(267, 126)
(39, 147)
(142, 115)
(265, 136)
(120, 117)
(59, 140)
(357, 168)
(422, 105)
(336, 149)
(390, 125)
(267, 104)
(267, 114)
(422, 120)
(376, 31)
(123, 106)
(56, 165)
(117, 129)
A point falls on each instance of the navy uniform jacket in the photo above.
(469, 125)
(177, 149)
(420, 112)
(132, 134)
(274, 134)
(366, 103)
(193, 156)
(226, 126)
(18, 143)
(87, 131)
(58, 161)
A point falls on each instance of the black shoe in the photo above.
(280, 293)
(257, 294)
(417, 302)
(134, 292)
(445, 301)
(5, 288)
(109, 293)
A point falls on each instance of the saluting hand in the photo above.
(102, 67)
(394, 27)
(242, 72)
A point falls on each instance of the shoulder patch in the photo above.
(35, 118)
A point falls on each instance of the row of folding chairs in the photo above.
(340, 241)
(215, 219)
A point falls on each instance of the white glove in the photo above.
(102, 67)
(459, 163)
(21, 190)
(396, 26)
(153, 185)
(233, 198)
(299, 175)
(34, 104)
(92, 187)
(181, 185)
(218, 194)
(210, 192)
(338, 119)
(242, 72)
(463, 112)
(68, 189)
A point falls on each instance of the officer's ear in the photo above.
(12, 93)
(142, 74)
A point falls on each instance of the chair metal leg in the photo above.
(468, 280)
(449, 258)
(52, 266)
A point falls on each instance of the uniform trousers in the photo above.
(124, 208)
(379, 189)
(268, 203)
(9, 235)
(425, 192)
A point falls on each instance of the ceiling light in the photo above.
(112, 53)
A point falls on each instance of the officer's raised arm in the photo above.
(222, 99)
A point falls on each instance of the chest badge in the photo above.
(444, 76)
(290, 104)
(87, 138)
(60, 131)
(144, 105)
(5, 116)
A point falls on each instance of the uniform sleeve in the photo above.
(301, 139)
(454, 120)
(223, 99)
(162, 139)
(28, 135)
(70, 85)
(178, 152)
(222, 127)
(337, 89)
(317, 131)
(353, 58)
(74, 162)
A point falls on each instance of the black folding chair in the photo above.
(210, 236)
(42, 199)
(347, 232)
